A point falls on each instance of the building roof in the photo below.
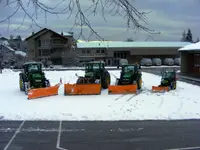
(191, 47)
(44, 30)
(120, 44)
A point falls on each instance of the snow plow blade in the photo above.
(122, 89)
(43, 92)
(82, 89)
(160, 88)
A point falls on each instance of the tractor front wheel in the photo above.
(47, 83)
(106, 80)
(26, 87)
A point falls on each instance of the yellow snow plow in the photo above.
(168, 82)
(33, 82)
(96, 77)
(130, 80)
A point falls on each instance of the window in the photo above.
(98, 51)
(88, 51)
(45, 52)
(83, 51)
(102, 51)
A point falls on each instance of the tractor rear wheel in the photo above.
(139, 83)
(106, 80)
(21, 83)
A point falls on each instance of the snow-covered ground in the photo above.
(184, 103)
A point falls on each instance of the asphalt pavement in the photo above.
(84, 135)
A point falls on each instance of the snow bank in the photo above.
(184, 103)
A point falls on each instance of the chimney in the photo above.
(62, 33)
(33, 33)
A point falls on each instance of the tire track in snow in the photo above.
(161, 103)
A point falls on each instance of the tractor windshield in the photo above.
(34, 67)
(167, 75)
(92, 66)
(129, 68)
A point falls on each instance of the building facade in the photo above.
(190, 60)
(47, 45)
(112, 52)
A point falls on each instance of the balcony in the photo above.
(53, 45)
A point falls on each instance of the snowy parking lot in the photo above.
(183, 103)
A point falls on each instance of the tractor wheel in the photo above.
(26, 87)
(47, 83)
(173, 85)
(139, 83)
(80, 80)
(21, 83)
(106, 80)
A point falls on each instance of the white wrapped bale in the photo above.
(157, 62)
(146, 62)
(177, 61)
(168, 62)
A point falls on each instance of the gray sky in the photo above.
(169, 17)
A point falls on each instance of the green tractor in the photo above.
(95, 72)
(130, 74)
(130, 80)
(168, 81)
(32, 77)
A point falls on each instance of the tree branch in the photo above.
(125, 9)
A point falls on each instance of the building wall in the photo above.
(49, 46)
(113, 55)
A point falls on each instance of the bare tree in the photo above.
(122, 8)
(70, 58)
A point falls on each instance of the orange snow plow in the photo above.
(96, 78)
(122, 89)
(160, 88)
(82, 89)
(43, 92)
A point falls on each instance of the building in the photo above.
(112, 51)
(190, 59)
(47, 45)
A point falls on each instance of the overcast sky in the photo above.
(169, 17)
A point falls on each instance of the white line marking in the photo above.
(185, 148)
(13, 137)
(58, 137)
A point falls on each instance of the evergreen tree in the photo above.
(189, 36)
(197, 40)
(183, 39)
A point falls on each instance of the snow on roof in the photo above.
(4, 42)
(20, 53)
(65, 33)
(8, 47)
(191, 47)
(120, 44)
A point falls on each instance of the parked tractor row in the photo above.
(33, 82)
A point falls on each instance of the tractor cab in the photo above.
(32, 67)
(95, 69)
(168, 78)
(129, 74)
